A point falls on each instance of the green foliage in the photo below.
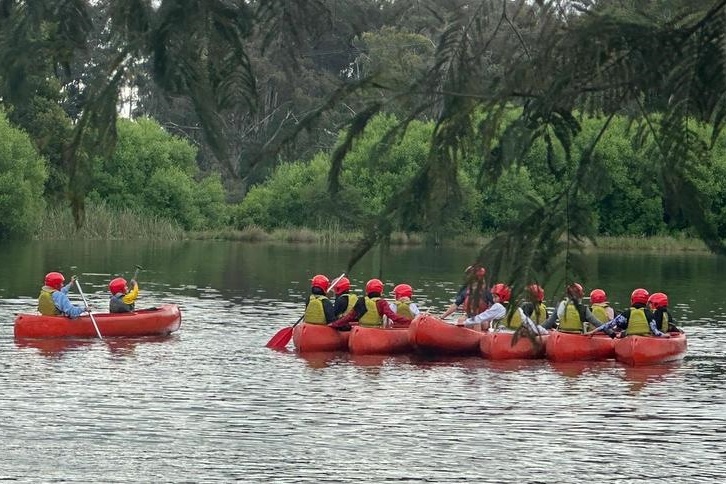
(22, 175)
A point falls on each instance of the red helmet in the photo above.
(117, 285)
(320, 281)
(537, 292)
(639, 296)
(658, 300)
(575, 289)
(502, 291)
(54, 280)
(598, 296)
(402, 290)
(478, 271)
(341, 286)
(374, 285)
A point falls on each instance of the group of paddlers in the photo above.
(53, 299)
(488, 308)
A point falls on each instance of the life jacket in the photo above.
(665, 322)
(483, 305)
(638, 322)
(117, 305)
(514, 323)
(46, 306)
(314, 312)
(403, 307)
(352, 299)
(599, 310)
(539, 315)
(371, 318)
(572, 319)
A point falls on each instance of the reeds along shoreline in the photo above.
(104, 223)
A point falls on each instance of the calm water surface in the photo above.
(210, 403)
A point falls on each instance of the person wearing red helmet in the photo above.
(658, 304)
(493, 314)
(344, 300)
(637, 320)
(531, 313)
(571, 315)
(53, 299)
(319, 309)
(370, 310)
(600, 306)
(403, 304)
(473, 297)
(122, 300)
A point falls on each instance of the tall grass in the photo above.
(104, 223)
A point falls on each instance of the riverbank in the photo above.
(102, 223)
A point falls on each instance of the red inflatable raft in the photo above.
(498, 346)
(562, 346)
(430, 334)
(378, 341)
(164, 319)
(650, 350)
(319, 337)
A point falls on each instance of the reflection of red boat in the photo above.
(378, 341)
(59, 346)
(498, 346)
(319, 337)
(430, 334)
(562, 346)
(164, 319)
(650, 350)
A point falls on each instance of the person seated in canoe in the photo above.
(370, 310)
(493, 314)
(319, 309)
(122, 300)
(658, 304)
(53, 299)
(638, 320)
(600, 307)
(473, 297)
(344, 300)
(403, 304)
(531, 313)
(571, 315)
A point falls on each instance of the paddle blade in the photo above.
(281, 338)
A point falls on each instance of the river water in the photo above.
(212, 404)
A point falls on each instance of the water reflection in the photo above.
(118, 347)
(639, 377)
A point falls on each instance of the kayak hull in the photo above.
(650, 350)
(429, 334)
(498, 346)
(162, 320)
(378, 341)
(319, 337)
(562, 346)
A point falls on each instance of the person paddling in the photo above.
(571, 314)
(319, 309)
(122, 299)
(53, 299)
(369, 310)
(638, 320)
(658, 303)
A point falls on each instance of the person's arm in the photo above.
(414, 309)
(130, 298)
(552, 319)
(497, 311)
(654, 326)
(68, 286)
(340, 304)
(619, 322)
(65, 306)
(385, 310)
(328, 310)
(353, 315)
(458, 301)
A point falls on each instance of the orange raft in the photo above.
(498, 346)
(650, 350)
(562, 346)
(430, 334)
(378, 341)
(162, 320)
(319, 337)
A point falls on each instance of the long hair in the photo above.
(478, 290)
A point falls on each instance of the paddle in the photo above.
(282, 337)
(136, 272)
(78, 285)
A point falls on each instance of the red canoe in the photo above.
(319, 337)
(378, 341)
(164, 319)
(650, 350)
(562, 346)
(430, 334)
(498, 346)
